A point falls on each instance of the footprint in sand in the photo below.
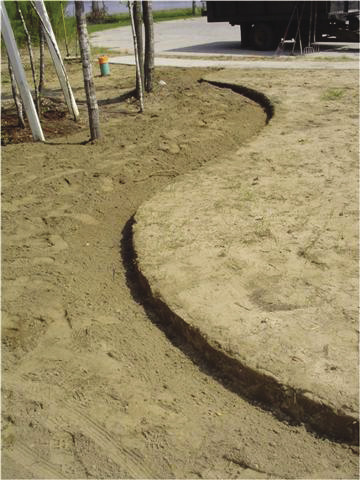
(43, 260)
(107, 184)
(23, 227)
(15, 205)
(65, 212)
(84, 218)
(47, 244)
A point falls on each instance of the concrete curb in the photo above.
(243, 64)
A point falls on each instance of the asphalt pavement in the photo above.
(195, 42)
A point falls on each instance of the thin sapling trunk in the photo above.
(140, 45)
(91, 101)
(31, 56)
(149, 45)
(16, 96)
(42, 60)
(138, 67)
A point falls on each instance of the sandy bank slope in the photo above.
(257, 253)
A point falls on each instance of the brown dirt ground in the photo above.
(92, 387)
(55, 122)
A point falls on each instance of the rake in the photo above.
(311, 48)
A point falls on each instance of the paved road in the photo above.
(180, 36)
(196, 37)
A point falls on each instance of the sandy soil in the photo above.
(92, 387)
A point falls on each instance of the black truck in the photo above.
(264, 24)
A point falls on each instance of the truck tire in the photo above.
(264, 36)
(246, 35)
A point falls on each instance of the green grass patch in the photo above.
(332, 94)
(342, 58)
(104, 51)
(117, 20)
(123, 19)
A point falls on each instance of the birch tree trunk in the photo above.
(42, 59)
(96, 11)
(95, 8)
(92, 105)
(64, 26)
(17, 100)
(140, 46)
(31, 56)
(149, 44)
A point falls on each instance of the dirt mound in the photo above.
(55, 120)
